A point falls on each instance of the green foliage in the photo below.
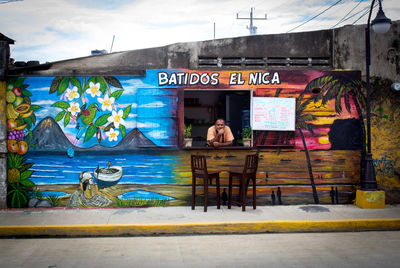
(141, 203)
(94, 119)
(15, 161)
(54, 200)
(126, 112)
(35, 193)
(17, 195)
(91, 130)
(188, 131)
(61, 104)
(246, 133)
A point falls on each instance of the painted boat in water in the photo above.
(106, 177)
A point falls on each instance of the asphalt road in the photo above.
(361, 249)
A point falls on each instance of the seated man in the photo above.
(219, 135)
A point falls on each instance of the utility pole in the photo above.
(252, 28)
(112, 43)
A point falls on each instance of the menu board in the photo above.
(276, 114)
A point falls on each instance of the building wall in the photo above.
(341, 48)
(66, 132)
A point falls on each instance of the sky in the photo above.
(53, 30)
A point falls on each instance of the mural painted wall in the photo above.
(385, 137)
(116, 141)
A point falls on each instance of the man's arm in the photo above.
(222, 144)
(212, 138)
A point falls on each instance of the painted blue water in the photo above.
(140, 168)
(139, 194)
(54, 193)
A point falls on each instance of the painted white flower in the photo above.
(74, 108)
(112, 134)
(94, 89)
(106, 102)
(72, 93)
(116, 118)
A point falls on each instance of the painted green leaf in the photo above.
(19, 199)
(35, 107)
(66, 119)
(27, 183)
(123, 130)
(60, 116)
(33, 119)
(102, 119)
(26, 167)
(113, 81)
(61, 104)
(28, 121)
(127, 110)
(91, 130)
(63, 85)
(26, 93)
(385, 116)
(19, 82)
(75, 82)
(26, 174)
(109, 126)
(30, 135)
(54, 84)
(116, 94)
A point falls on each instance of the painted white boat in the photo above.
(106, 177)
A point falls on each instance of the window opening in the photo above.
(203, 107)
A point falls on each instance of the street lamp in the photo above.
(381, 24)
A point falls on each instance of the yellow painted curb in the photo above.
(351, 225)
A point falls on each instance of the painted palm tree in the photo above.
(333, 87)
(302, 122)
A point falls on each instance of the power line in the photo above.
(365, 13)
(315, 16)
(342, 19)
(355, 14)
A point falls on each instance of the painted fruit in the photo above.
(12, 146)
(22, 108)
(13, 175)
(29, 113)
(11, 124)
(17, 91)
(11, 113)
(18, 101)
(10, 97)
(23, 148)
(22, 127)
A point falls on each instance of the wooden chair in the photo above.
(199, 171)
(249, 173)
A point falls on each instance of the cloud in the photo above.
(157, 134)
(132, 115)
(65, 29)
(42, 89)
(43, 102)
(45, 112)
(147, 125)
(156, 104)
(131, 124)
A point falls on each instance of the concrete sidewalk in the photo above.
(183, 220)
